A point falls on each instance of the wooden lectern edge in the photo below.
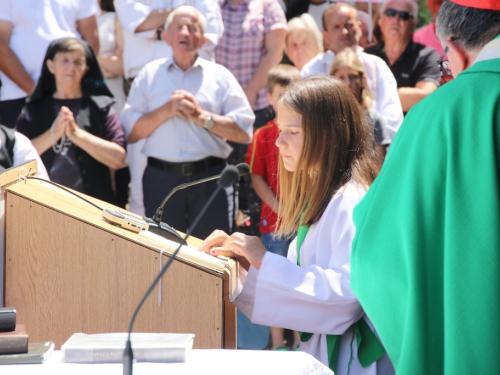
(11, 175)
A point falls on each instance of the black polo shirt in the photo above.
(417, 63)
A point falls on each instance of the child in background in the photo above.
(262, 157)
(348, 68)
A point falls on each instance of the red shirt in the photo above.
(262, 157)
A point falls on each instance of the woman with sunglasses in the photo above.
(413, 65)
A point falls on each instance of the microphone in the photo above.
(227, 178)
(242, 170)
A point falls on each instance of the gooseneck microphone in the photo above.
(227, 178)
(242, 169)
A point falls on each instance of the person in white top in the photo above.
(319, 187)
(111, 50)
(27, 28)
(342, 29)
(186, 108)
(142, 22)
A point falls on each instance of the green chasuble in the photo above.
(426, 256)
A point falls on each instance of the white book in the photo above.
(109, 347)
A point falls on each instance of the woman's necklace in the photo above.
(57, 147)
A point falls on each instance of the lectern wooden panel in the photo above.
(67, 271)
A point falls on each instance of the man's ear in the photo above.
(164, 36)
(204, 40)
(325, 37)
(459, 59)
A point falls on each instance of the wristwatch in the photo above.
(209, 122)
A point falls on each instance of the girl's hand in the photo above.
(215, 240)
(249, 247)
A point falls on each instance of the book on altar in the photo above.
(37, 353)
(109, 347)
(14, 342)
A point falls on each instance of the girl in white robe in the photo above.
(326, 164)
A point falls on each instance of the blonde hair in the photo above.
(349, 58)
(337, 146)
(305, 22)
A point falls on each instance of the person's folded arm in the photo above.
(274, 44)
(410, 96)
(10, 64)
(87, 27)
(105, 152)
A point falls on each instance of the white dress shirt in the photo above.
(215, 90)
(143, 47)
(315, 297)
(380, 80)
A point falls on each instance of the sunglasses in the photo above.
(445, 67)
(403, 15)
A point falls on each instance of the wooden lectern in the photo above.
(67, 270)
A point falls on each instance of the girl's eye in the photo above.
(293, 133)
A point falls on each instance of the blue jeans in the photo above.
(276, 245)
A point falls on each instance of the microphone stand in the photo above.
(128, 354)
(242, 169)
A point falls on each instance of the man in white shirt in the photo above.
(27, 28)
(342, 29)
(142, 22)
(185, 108)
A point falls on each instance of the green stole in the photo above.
(369, 348)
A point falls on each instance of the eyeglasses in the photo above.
(445, 67)
(403, 15)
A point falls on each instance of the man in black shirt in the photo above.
(414, 65)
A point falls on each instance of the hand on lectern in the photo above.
(238, 245)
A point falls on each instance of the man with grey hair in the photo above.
(426, 256)
(413, 64)
(186, 108)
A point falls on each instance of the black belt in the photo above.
(187, 169)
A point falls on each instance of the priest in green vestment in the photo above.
(426, 256)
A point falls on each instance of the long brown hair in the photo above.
(337, 147)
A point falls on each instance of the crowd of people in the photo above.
(124, 100)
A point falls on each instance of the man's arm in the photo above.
(155, 20)
(87, 27)
(10, 64)
(224, 127)
(274, 44)
(410, 96)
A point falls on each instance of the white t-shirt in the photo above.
(35, 24)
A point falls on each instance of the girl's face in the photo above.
(291, 137)
(352, 79)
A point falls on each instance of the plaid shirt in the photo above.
(242, 47)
